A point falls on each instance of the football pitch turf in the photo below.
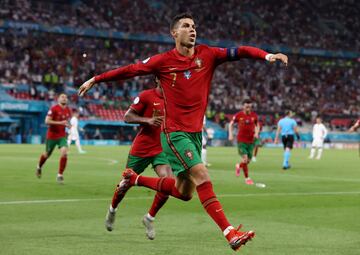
(314, 208)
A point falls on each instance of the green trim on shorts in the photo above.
(246, 149)
(51, 143)
(139, 164)
(183, 150)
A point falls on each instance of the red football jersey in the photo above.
(185, 81)
(246, 125)
(57, 113)
(147, 142)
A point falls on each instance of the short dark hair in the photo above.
(289, 112)
(247, 101)
(175, 20)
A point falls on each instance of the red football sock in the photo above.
(159, 200)
(245, 169)
(165, 185)
(212, 205)
(42, 160)
(119, 194)
(62, 164)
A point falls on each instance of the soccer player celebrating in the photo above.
(148, 111)
(185, 75)
(287, 126)
(57, 119)
(248, 130)
(319, 134)
(74, 133)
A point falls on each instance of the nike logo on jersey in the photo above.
(172, 68)
(156, 103)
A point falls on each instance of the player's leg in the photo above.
(62, 143)
(162, 169)
(78, 145)
(138, 164)
(313, 149)
(50, 145)
(239, 165)
(320, 149)
(246, 161)
(287, 153)
(201, 179)
(256, 149)
(186, 149)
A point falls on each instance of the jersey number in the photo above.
(174, 79)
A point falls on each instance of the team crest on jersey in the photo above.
(189, 154)
(198, 62)
(187, 74)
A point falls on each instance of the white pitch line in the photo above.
(151, 197)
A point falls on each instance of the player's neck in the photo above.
(62, 105)
(185, 51)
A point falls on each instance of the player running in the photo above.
(248, 131)
(319, 134)
(287, 127)
(148, 111)
(74, 132)
(185, 75)
(57, 119)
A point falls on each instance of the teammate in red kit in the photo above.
(57, 119)
(248, 131)
(148, 111)
(185, 75)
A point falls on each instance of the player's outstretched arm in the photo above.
(147, 66)
(86, 86)
(277, 57)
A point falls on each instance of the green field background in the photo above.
(314, 208)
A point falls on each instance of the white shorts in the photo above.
(318, 143)
(73, 137)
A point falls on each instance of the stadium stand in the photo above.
(38, 65)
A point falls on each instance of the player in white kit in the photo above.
(74, 133)
(319, 134)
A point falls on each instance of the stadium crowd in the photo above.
(61, 63)
(325, 24)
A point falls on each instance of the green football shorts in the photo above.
(245, 149)
(139, 164)
(51, 143)
(182, 149)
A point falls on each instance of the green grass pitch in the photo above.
(314, 208)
